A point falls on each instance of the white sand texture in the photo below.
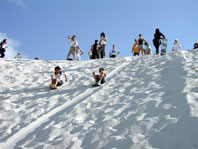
(148, 102)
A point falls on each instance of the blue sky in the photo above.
(42, 26)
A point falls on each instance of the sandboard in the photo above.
(164, 46)
(95, 85)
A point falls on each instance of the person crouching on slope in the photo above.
(114, 52)
(147, 50)
(56, 78)
(177, 46)
(100, 79)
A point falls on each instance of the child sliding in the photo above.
(56, 78)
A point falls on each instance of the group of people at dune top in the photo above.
(98, 49)
(140, 47)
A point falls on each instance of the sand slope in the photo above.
(148, 102)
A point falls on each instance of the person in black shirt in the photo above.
(3, 48)
(157, 40)
(95, 51)
(140, 42)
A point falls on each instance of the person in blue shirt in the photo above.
(114, 52)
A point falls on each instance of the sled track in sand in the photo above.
(21, 134)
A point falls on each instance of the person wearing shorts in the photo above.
(56, 78)
(99, 79)
(140, 44)
(114, 52)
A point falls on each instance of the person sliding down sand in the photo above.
(99, 79)
(56, 78)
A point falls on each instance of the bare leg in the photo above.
(70, 52)
(53, 84)
(142, 51)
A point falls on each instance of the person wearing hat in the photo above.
(73, 47)
(177, 46)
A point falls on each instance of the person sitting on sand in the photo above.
(195, 46)
(99, 79)
(177, 46)
(147, 50)
(56, 78)
(18, 56)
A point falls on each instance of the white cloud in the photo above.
(12, 44)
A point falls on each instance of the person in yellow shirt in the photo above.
(135, 49)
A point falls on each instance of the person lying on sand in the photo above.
(56, 78)
(100, 79)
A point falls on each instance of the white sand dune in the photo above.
(147, 102)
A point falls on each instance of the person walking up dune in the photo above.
(157, 40)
